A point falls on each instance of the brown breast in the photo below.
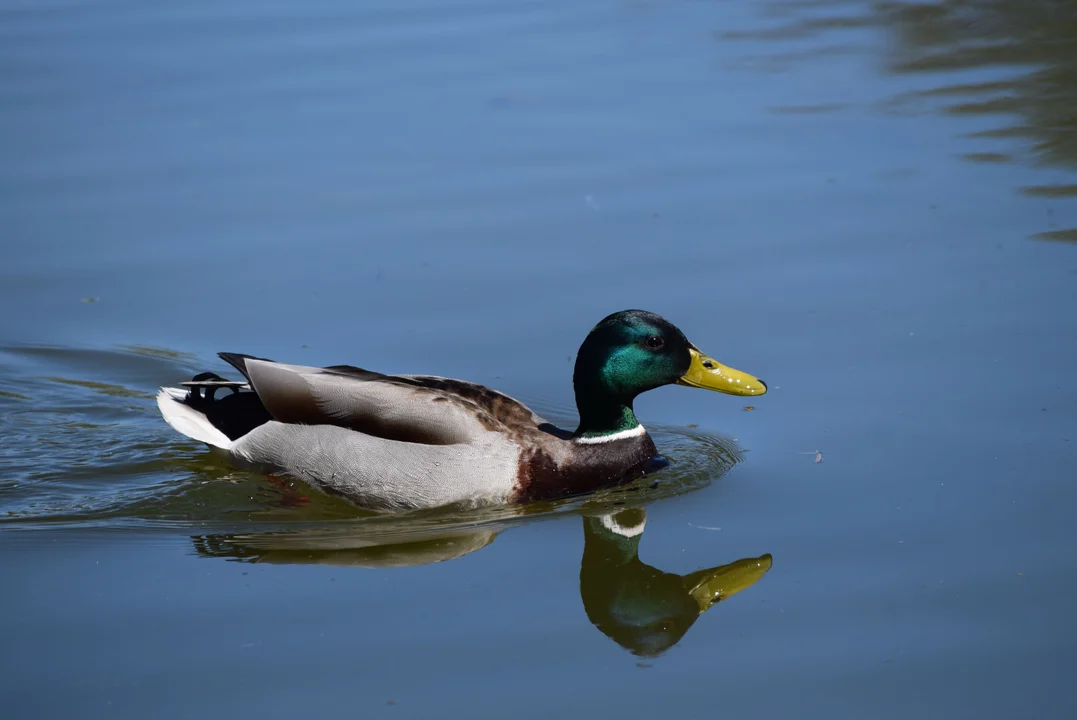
(582, 468)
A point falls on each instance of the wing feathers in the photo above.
(375, 404)
(284, 392)
(239, 361)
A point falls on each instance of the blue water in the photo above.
(871, 207)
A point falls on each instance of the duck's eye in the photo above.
(654, 342)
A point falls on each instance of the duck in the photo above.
(389, 443)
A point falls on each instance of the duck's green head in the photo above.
(634, 351)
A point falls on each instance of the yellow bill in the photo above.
(707, 373)
(711, 586)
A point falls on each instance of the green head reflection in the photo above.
(641, 608)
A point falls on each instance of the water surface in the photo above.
(869, 205)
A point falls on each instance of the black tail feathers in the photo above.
(235, 414)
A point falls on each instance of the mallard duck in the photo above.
(392, 442)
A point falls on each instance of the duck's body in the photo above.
(391, 442)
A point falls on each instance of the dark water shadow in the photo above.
(1035, 41)
(641, 608)
(1016, 59)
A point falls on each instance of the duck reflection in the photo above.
(346, 547)
(641, 608)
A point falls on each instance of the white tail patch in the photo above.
(186, 420)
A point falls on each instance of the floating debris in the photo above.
(705, 527)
